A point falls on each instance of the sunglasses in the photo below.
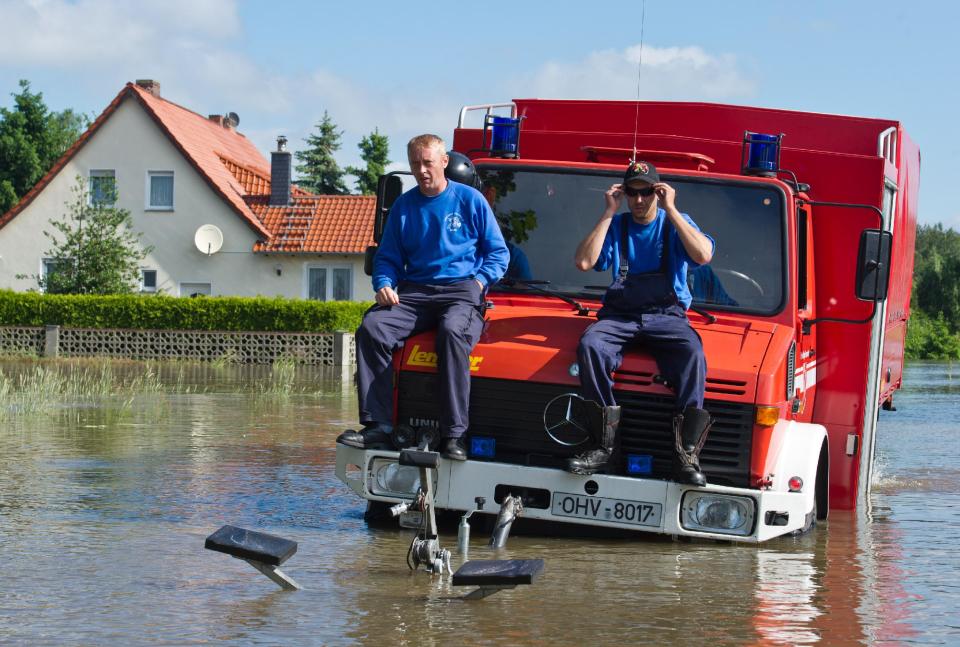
(646, 192)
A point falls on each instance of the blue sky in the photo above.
(408, 68)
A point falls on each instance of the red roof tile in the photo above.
(254, 181)
(328, 224)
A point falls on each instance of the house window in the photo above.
(317, 283)
(148, 280)
(195, 289)
(329, 283)
(341, 284)
(52, 266)
(160, 190)
(103, 187)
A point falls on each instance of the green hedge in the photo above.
(274, 314)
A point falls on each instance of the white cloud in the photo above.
(666, 73)
(104, 32)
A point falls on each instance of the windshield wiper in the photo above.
(537, 286)
(703, 313)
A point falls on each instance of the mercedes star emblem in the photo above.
(563, 415)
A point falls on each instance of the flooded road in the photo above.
(105, 504)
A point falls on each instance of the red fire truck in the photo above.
(802, 311)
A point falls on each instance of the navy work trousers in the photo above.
(454, 310)
(675, 346)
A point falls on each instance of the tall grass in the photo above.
(282, 379)
(42, 385)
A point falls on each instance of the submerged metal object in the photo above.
(262, 551)
(463, 532)
(510, 509)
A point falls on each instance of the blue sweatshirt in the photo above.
(441, 239)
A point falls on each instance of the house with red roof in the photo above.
(222, 220)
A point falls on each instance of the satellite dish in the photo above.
(208, 239)
(234, 119)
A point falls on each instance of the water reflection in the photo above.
(103, 511)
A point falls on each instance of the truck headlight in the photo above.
(719, 513)
(392, 479)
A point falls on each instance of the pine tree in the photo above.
(95, 249)
(374, 149)
(319, 172)
(31, 139)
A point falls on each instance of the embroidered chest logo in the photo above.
(453, 222)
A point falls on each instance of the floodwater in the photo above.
(104, 509)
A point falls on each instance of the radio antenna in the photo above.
(636, 116)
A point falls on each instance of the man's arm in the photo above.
(588, 251)
(698, 247)
(388, 263)
(490, 246)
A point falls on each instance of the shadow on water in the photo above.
(104, 508)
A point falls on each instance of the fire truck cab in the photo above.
(802, 312)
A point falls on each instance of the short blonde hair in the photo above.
(423, 141)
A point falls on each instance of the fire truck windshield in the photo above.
(545, 213)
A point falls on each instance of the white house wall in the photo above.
(132, 144)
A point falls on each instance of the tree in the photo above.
(319, 172)
(936, 274)
(32, 138)
(94, 248)
(374, 149)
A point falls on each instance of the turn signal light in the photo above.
(795, 484)
(767, 416)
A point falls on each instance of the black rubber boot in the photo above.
(452, 448)
(374, 436)
(603, 458)
(690, 430)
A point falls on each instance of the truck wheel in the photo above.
(809, 521)
(819, 494)
(378, 514)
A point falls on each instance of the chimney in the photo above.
(281, 165)
(217, 119)
(151, 86)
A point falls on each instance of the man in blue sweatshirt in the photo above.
(441, 249)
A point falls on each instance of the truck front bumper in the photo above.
(602, 500)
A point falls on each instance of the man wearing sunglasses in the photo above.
(649, 248)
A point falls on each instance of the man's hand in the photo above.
(386, 296)
(667, 195)
(612, 198)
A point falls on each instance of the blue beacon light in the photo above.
(760, 154)
(505, 135)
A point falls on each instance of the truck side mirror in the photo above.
(368, 259)
(873, 264)
(389, 188)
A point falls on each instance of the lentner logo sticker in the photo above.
(429, 359)
(453, 222)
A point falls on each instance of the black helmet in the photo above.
(461, 169)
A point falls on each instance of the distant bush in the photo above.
(930, 338)
(156, 312)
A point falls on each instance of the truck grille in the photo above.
(511, 412)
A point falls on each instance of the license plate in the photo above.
(411, 519)
(639, 513)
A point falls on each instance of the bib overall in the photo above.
(643, 308)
